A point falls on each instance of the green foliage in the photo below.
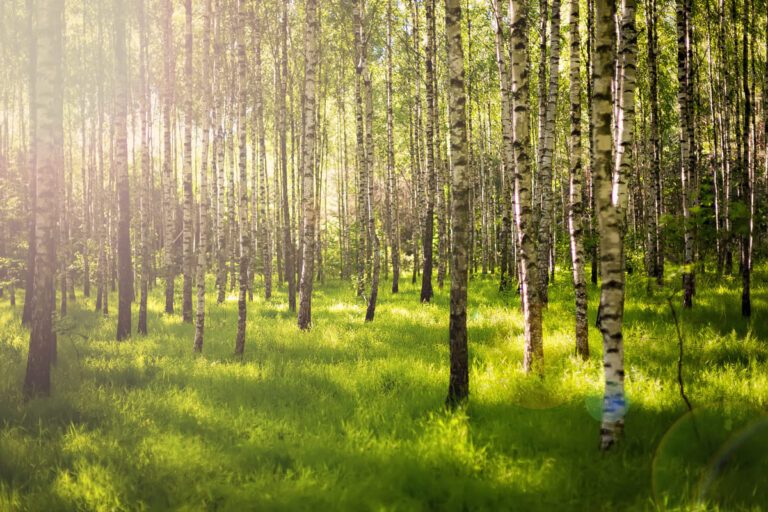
(739, 216)
(350, 415)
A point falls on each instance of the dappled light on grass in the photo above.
(352, 413)
(713, 458)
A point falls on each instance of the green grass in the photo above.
(350, 416)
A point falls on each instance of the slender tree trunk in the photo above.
(625, 134)
(575, 205)
(365, 154)
(307, 171)
(541, 95)
(202, 248)
(747, 175)
(48, 145)
(427, 234)
(170, 183)
(507, 153)
(441, 184)
(279, 238)
(189, 200)
(656, 267)
(547, 156)
(592, 221)
(392, 210)
(290, 269)
(533, 358)
(218, 154)
(369, 154)
(124, 264)
(146, 172)
(346, 271)
(686, 140)
(362, 181)
(232, 221)
(29, 285)
(458, 388)
(264, 218)
(86, 184)
(611, 247)
(63, 235)
(245, 231)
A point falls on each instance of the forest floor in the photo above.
(350, 416)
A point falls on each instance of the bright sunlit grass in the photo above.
(350, 415)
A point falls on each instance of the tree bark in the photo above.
(245, 230)
(533, 357)
(747, 176)
(202, 248)
(29, 285)
(507, 153)
(48, 146)
(575, 205)
(188, 220)
(458, 388)
(547, 156)
(169, 183)
(124, 264)
(145, 201)
(392, 192)
(430, 178)
(307, 171)
(290, 270)
(656, 258)
(625, 134)
(611, 246)
(686, 140)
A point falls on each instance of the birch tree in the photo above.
(533, 356)
(427, 233)
(547, 155)
(575, 205)
(202, 249)
(307, 172)
(188, 214)
(458, 388)
(169, 183)
(48, 147)
(124, 264)
(245, 240)
(611, 243)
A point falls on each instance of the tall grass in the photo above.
(350, 416)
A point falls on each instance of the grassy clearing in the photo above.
(350, 415)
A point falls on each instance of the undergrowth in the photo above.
(350, 416)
